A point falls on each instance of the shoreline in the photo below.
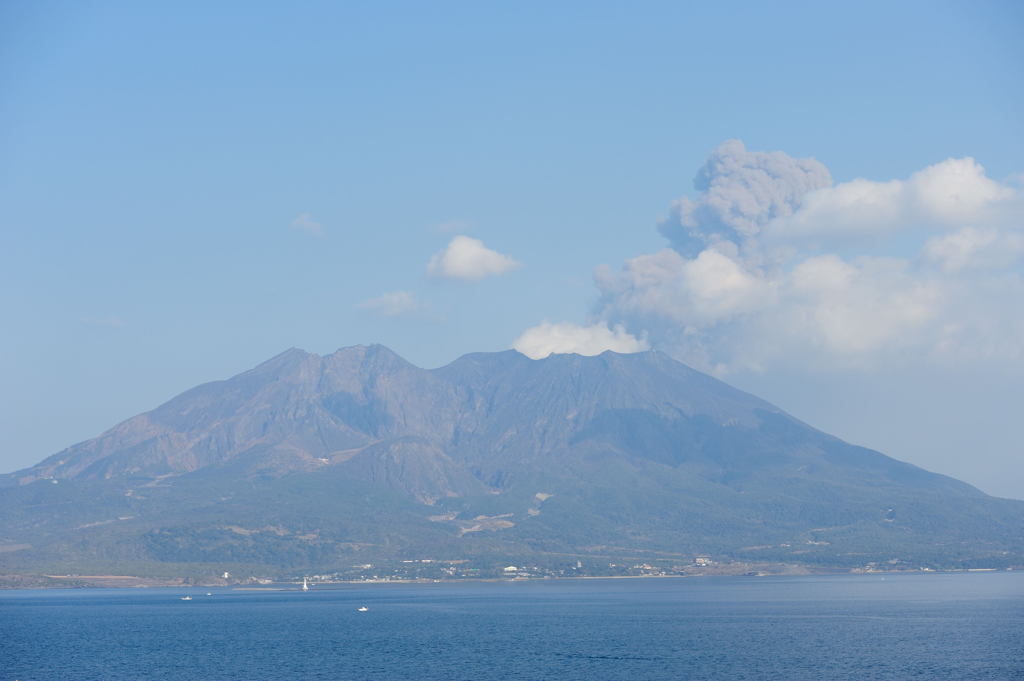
(62, 582)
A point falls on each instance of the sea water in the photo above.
(958, 626)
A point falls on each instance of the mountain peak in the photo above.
(363, 358)
(282, 361)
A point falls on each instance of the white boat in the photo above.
(362, 608)
(305, 584)
(186, 598)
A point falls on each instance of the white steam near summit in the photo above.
(546, 339)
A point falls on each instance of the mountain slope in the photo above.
(314, 461)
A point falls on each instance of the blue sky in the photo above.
(186, 190)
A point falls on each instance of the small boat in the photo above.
(362, 608)
(186, 598)
(305, 584)
(208, 593)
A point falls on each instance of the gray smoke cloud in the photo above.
(740, 192)
(752, 280)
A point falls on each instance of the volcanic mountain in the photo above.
(315, 462)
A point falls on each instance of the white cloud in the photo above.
(941, 196)
(468, 259)
(701, 290)
(727, 297)
(304, 222)
(973, 248)
(546, 338)
(853, 308)
(721, 316)
(392, 304)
